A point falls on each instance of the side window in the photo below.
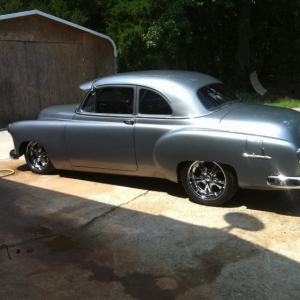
(110, 100)
(151, 103)
(89, 104)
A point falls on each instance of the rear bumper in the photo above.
(283, 182)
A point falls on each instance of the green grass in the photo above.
(287, 103)
(280, 102)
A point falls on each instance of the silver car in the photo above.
(182, 126)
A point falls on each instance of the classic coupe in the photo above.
(182, 126)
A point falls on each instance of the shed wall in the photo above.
(43, 62)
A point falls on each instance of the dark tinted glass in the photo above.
(89, 104)
(111, 100)
(152, 103)
(215, 95)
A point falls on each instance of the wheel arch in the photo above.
(175, 149)
(22, 147)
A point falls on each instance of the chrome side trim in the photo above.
(256, 156)
(284, 182)
(298, 155)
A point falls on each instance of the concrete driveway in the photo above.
(92, 236)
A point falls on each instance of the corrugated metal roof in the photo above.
(37, 12)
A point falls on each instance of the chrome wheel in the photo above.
(209, 183)
(37, 158)
(207, 179)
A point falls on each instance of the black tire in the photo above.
(208, 183)
(37, 159)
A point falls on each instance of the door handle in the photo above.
(129, 121)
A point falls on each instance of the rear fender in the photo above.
(225, 148)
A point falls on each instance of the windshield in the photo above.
(215, 95)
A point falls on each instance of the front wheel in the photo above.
(37, 159)
(208, 183)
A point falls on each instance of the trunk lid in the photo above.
(263, 120)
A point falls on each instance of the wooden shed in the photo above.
(44, 59)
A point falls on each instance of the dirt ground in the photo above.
(73, 235)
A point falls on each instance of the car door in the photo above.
(154, 119)
(101, 135)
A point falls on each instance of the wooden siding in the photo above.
(43, 62)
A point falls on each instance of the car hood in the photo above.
(263, 120)
(58, 112)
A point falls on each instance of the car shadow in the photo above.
(283, 202)
(277, 201)
(280, 202)
(146, 183)
(63, 245)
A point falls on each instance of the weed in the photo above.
(285, 102)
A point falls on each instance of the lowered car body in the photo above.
(177, 125)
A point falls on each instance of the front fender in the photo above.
(50, 134)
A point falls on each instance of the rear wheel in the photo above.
(37, 159)
(208, 183)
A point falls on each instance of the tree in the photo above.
(127, 23)
(243, 45)
(224, 38)
(67, 10)
(177, 34)
(275, 38)
(7, 7)
(61, 9)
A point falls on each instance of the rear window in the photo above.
(215, 95)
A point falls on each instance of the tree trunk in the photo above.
(243, 50)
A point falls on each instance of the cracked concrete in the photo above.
(106, 213)
(93, 236)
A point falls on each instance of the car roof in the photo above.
(179, 87)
